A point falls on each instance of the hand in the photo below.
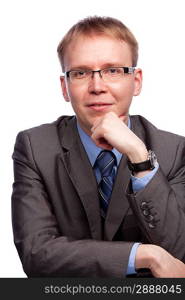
(159, 261)
(110, 131)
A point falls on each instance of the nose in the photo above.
(96, 84)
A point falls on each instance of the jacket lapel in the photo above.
(81, 174)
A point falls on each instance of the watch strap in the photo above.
(148, 164)
(142, 166)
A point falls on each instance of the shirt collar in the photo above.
(91, 149)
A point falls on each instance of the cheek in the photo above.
(76, 95)
(123, 89)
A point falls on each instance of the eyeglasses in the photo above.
(108, 74)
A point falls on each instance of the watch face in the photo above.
(152, 157)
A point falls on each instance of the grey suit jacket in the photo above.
(55, 204)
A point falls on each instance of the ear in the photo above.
(138, 78)
(64, 88)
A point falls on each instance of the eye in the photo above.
(113, 71)
(78, 74)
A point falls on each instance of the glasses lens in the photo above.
(112, 73)
(77, 75)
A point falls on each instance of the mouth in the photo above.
(99, 106)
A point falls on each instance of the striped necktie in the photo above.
(106, 162)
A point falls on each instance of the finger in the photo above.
(94, 127)
(104, 144)
(96, 124)
(100, 141)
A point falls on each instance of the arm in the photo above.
(42, 246)
(164, 199)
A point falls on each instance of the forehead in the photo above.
(97, 51)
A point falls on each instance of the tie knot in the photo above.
(105, 161)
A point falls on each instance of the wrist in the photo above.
(147, 256)
(143, 259)
(138, 154)
(146, 165)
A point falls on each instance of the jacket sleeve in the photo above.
(42, 249)
(160, 206)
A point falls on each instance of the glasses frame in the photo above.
(127, 70)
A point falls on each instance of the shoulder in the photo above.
(168, 147)
(47, 131)
(42, 143)
(150, 131)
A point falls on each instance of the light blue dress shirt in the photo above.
(137, 183)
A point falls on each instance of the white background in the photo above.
(29, 76)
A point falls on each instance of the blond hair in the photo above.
(101, 26)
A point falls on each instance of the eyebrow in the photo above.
(104, 66)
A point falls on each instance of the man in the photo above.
(102, 193)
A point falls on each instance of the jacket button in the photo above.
(151, 225)
(149, 218)
(144, 205)
(146, 212)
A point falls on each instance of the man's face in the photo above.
(94, 98)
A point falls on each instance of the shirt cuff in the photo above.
(140, 183)
(131, 261)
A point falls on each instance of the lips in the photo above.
(99, 106)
